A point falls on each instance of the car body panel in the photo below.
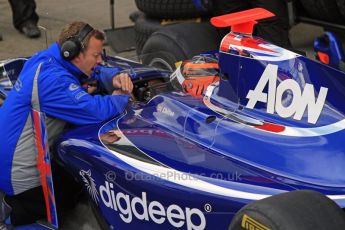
(214, 154)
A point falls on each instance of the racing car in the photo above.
(245, 137)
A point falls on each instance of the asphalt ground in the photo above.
(55, 14)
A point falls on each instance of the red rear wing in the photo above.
(243, 21)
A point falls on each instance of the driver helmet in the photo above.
(195, 75)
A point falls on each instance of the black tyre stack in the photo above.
(332, 11)
(341, 5)
(171, 9)
(158, 28)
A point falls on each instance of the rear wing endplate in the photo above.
(241, 22)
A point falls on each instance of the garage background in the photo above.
(54, 15)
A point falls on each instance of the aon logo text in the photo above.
(300, 101)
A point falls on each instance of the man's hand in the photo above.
(123, 84)
(90, 86)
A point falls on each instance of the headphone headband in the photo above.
(83, 33)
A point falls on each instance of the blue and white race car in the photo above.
(221, 143)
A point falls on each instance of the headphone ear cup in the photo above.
(70, 49)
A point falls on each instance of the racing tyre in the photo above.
(179, 42)
(326, 10)
(156, 53)
(341, 5)
(299, 210)
(145, 26)
(172, 8)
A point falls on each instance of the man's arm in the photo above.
(113, 80)
(67, 100)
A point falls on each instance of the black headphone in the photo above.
(74, 44)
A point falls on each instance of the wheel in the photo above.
(299, 210)
(171, 9)
(326, 10)
(157, 53)
(179, 42)
(144, 27)
(341, 5)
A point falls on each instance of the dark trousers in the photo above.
(275, 29)
(29, 206)
(23, 11)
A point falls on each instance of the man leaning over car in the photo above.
(59, 72)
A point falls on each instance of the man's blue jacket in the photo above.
(61, 98)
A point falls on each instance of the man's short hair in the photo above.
(73, 29)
